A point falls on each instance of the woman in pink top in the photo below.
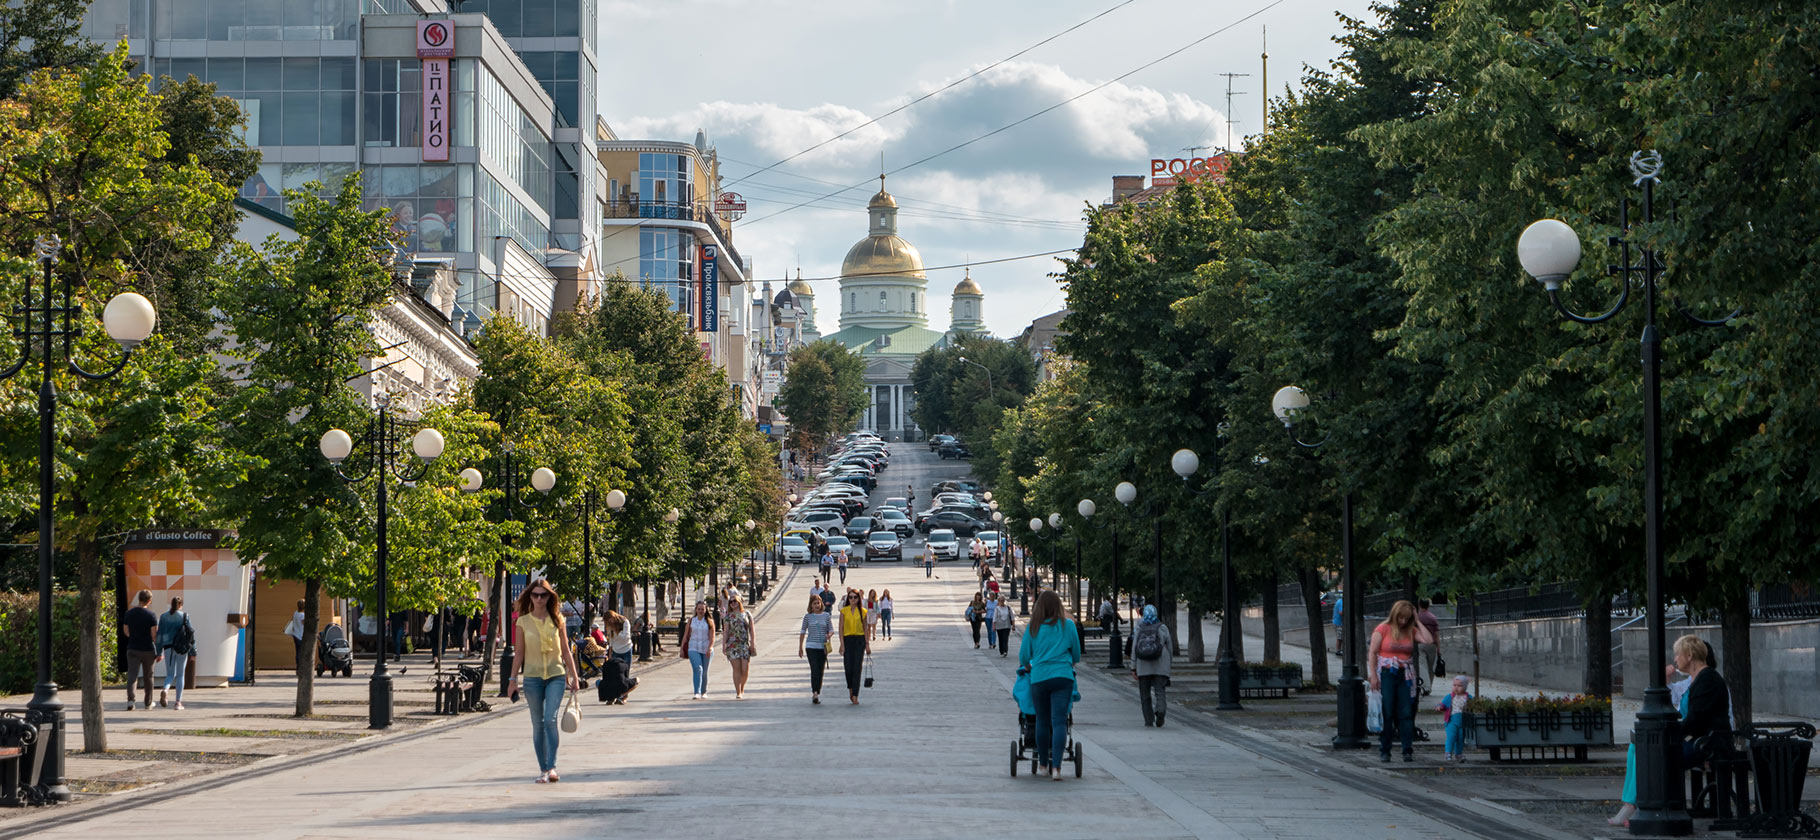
(1393, 676)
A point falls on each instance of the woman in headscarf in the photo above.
(1151, 648)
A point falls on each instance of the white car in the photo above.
(795, 550)
(838, 545)
(944, 545)
(987, 544)
(826, 523)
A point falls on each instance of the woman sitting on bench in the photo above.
(1705, 703)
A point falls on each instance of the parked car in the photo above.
(794, 549)
(895, 520)
(900, 503)
(944, 544)
(824, 522)
(960, 523)
(936, 441)
(988, 544)
(884, 545)
(838, 545)
(860, 526)
(954, 450)
(964, 485)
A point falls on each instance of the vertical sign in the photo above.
(710, 288)
(435, 45)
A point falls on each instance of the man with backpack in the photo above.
(1151, 647)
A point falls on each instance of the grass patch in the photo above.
(100, 787)
(228, 732)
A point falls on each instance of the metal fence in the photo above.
(1787, 601)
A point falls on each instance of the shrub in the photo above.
(1538, 703)
(19, 641)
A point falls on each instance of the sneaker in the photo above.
(552, 775)
(161, 696)
(1055, 774)
(129, 705)
(1384, 757)
(179, 705)
(1409, 756)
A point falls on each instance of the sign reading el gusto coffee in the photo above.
(435, 46)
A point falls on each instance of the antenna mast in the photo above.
(1230, 93)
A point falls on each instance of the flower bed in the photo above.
(1533, 726)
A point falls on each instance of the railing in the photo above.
(1787, 601)
(631, 207)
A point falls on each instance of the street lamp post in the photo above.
(1087, 509)
(542, 480)
(590, 505)
(752, 557)
(382, 440)
(1055, 535)
(966, 361)
(1549, 250)
(1351, 734)
(129, 319)
(1186, 463)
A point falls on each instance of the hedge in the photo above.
(19, 641)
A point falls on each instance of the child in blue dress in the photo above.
(1453, 714)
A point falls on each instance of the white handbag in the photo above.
(571, 714)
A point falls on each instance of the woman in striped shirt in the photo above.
(817, 625)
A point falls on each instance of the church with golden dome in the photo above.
(884, 315)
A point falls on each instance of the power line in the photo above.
(1092, 90)
(908, 199)
(964, 79)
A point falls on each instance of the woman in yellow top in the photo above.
(547, 666)
(853, 644)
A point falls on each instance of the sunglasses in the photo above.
(540, 594)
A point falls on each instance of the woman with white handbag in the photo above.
(547, 667)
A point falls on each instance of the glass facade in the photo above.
(511, 140)
(108, 21)
(665, 179)
(536, 18)
(287, 101)
(666, 262)
(432, 204)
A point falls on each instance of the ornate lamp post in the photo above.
(752, 563)
(1186, 462)
(590, 505)
(1288, 402)
(1549, 251)
(129, 319)
(1126, 493)
(1054, 535)
(380, 460)
(543, 479)
(1087, 509)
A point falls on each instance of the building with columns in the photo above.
(884, 316)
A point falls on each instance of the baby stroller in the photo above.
(333, 653)
(1025, 742)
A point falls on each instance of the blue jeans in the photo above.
(1399, 710)
(884, 621)
(928, 569)
(698, 666)
(1051, 697)
(544, 698)
(174, 665)
(1456, 735)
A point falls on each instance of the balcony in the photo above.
(630, 207)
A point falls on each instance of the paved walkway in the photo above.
(925, 754)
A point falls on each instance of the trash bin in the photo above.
(1779, 760)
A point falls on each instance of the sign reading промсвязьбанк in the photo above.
(710, 288)
(435, 45)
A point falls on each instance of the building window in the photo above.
(881, 301)
(853, 301)
(664, 181)
(666, 263)
(913, 303)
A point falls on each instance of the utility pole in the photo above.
(1230, 93)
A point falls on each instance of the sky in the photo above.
(768, 79)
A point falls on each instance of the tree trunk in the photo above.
(1596, 680)
(1273, 632)
(1166, 611)
(1409, 587)
(1734, 636)
(88, 613)
(1317, 626)
(306, 653)
(1197, 646)
(1238, 641)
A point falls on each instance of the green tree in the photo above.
(297, 317)
(41, 34)
(84, 157)
(826, 394)
(966, 399)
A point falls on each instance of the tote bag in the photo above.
(571, 713)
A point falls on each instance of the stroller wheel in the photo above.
(1077, 760)
(1014, 758)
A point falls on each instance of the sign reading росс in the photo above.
(435, 45)
(1188, 169)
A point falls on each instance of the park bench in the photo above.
(458, 690)
(17, 740)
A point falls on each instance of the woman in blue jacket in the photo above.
(1050, 647)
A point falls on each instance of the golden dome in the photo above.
(968, 287)
(882, 255)
(799, 288)
(882, 199)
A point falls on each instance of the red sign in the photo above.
(435, 45)
(1188, 169)
(730, 206)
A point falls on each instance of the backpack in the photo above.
(1147, 643)
(184, 643)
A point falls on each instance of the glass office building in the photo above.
(330, 87)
